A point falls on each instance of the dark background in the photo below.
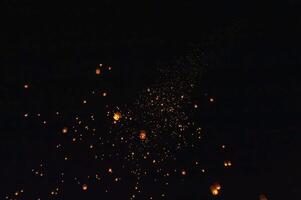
(252, 52)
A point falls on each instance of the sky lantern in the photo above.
(97, 71)
(142, 135)
(117, 116)
(65, 130)
(84, 187)
(183, 172)
(227, 163)
(215, 188)
(26, 86)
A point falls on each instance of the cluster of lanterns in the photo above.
(227, 163)
(98, 69)
(215, 188)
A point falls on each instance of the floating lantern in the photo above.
(84, 187)
(65, 130)
(142, 135)
(214, 188)
(97, 71)
(117, 116)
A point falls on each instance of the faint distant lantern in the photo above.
(214, 191)
(104, 94)
(117, 116)
(26, 86)
(215, 188)
(227, 163)
(110, 170)
(97, 71)
(183, 172)
(65, 130)
(211, 100)
(142, 135)
(262, 197)
(110, 68)
(84, 187)
(100, 65)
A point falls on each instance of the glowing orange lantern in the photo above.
(117, 116)
(97, 71)
(214, 188)
(84, 187)
(65, 130)
(142, 135)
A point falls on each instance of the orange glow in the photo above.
(84, 187)
(65, 130)
(142, 135)
(214, 188)
(97, 71)
(117, 116)
(214, 192)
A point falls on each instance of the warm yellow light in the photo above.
(227, 163)
(214, 188)
(214, 192)
(117, 116)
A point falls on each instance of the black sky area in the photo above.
(252, 54)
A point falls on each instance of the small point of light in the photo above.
(117, 116)
(65, 130)
(84, 187)
(97, 71)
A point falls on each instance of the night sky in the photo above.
(150, 100)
